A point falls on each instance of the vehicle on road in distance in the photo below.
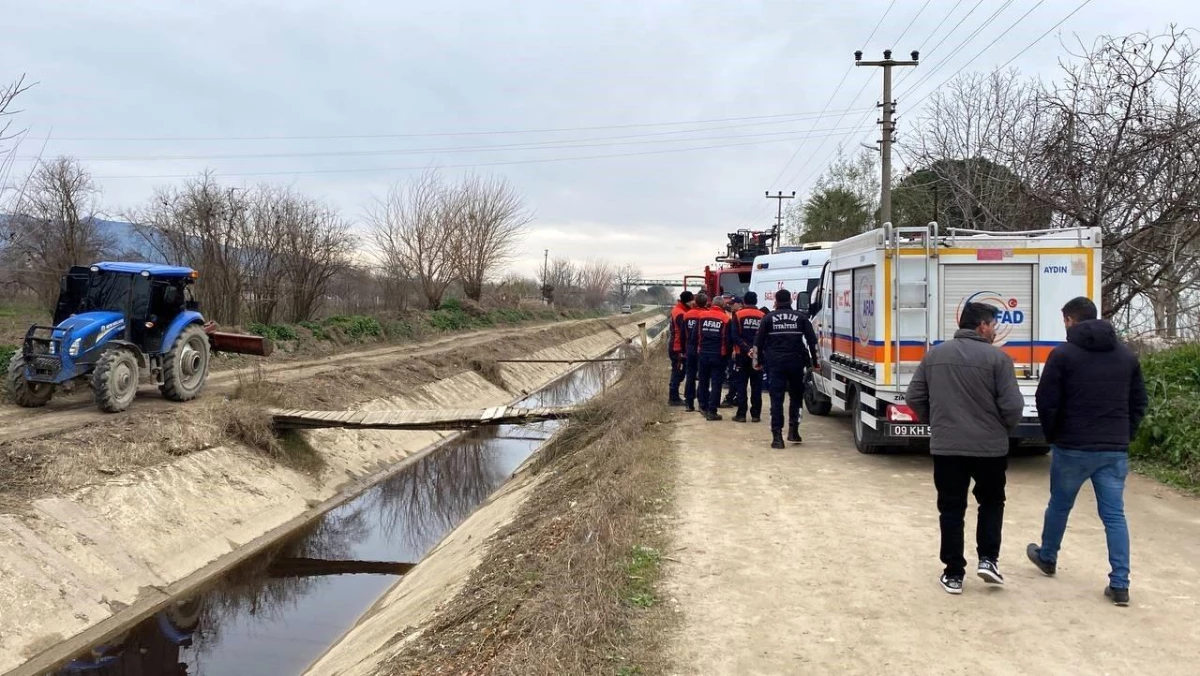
(797, 269)
(626, 309)
(888, 295)
(114, 323)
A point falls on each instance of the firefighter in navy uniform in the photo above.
(742, 331)
(676, 345)
(691, 324)
(712, 350)
(785, 345)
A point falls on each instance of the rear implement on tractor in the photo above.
(115, 323)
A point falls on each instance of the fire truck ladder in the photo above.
(910, 291)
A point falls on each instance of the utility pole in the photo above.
(779, 198)
(546, 290)
(889, 126)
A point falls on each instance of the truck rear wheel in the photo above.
(866, 440)
(185, 367)
(115, 380)
(25, 393)
(815, 402)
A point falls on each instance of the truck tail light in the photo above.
(900, 413)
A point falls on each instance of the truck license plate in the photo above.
(909, 430)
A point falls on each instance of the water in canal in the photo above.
(279, 611)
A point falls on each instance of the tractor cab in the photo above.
(115, 322)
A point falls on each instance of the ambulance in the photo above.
(888, 295)
(796, 269)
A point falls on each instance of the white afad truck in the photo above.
(888, 295)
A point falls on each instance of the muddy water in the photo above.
(277, 612)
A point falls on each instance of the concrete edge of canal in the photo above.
(82, 566)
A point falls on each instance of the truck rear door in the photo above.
(1008, 287)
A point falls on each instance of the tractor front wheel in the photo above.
(185, 367)
(25, 393)
(115, 380)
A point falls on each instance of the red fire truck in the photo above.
(732, 274)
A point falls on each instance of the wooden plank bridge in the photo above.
(417, 419)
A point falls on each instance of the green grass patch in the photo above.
(6, 355)
(274, 332)
(641, 572)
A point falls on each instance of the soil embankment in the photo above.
(80, 564)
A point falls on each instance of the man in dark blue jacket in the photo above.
(712, 351)
(785, 345)
(1091, 398)
(742, 331)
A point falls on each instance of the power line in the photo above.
(1048, 31)
(910, 23)
(534, 145)
(945, 37)
(464, 166)
(946, 61)
(432, 134)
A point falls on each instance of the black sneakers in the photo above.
(989, 572)
(1035, 556)
(777, 439)
(738, 418)
(1119, 597)
(952, 585)
(712, 416)
(755, 418)
(689, 408)
(675, 402)
(794, 434)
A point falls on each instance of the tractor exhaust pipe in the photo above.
(238, 343)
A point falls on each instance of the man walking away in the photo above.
(785, 345)
(691, 326)
(675, 346)
(966, 390)
(712, 348)
(1090, 399)
(743, 331)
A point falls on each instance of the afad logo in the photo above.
(1008, 314)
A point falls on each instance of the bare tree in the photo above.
(413, 228)
(492, 217)
(562, 280)
(315, 245)
(9, 138)
(596, 280)
(55, 226)
(623, 287)
(514, 288)
(208, 227)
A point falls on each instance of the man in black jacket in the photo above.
(1091, 398)
(785, 345)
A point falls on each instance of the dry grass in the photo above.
(57, 463)
(569, 587)
(490, 370)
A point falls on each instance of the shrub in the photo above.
(317, 331)
(275, 332)
(356, 327)
(6, 354)
(1170, 434)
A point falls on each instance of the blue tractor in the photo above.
(114, 323)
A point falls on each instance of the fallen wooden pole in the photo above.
(433, 419)
(558, 361)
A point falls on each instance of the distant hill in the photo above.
(127, 243)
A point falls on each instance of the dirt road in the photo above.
(818, 560)
(78, 410)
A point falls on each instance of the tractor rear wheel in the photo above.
(115, 380)
(185, 367)
(25, 393)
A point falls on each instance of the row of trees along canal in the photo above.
(1111, 142)
(268, 254)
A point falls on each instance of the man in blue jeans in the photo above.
(1090, 399)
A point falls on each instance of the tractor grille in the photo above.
(45, 366)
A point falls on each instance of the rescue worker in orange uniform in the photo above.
(742, 331)
(691, 327)
(712, 352)
(676, 346)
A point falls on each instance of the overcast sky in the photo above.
(125, 86)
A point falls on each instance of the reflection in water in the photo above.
(279, 610)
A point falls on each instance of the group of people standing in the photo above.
(731, 336)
